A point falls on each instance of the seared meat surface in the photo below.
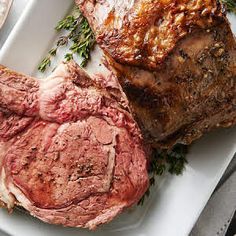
(176, 61)
(143, 32)
(70, 153)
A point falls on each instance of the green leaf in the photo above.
(44, 64)
(161, 161)
(53, 52)
(67, 23)
(230, 5)
(68, 56)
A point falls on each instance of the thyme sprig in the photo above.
(79, 33)
(230, 5)
(161, 161)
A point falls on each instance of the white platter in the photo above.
(175, 202)
(5, 6)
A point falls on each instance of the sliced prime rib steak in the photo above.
(70, 153)
(176, 62)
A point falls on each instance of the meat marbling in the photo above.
(176, 62)
(70, 153)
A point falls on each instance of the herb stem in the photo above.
(230, 5)
(79, 33)
(162, 161)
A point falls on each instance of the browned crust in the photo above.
(145, 35)
(145, 93)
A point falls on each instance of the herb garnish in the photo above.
(79, 33)
(230, 4)
(161, 161)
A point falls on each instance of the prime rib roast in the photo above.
(175, 60)
(70, 151)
